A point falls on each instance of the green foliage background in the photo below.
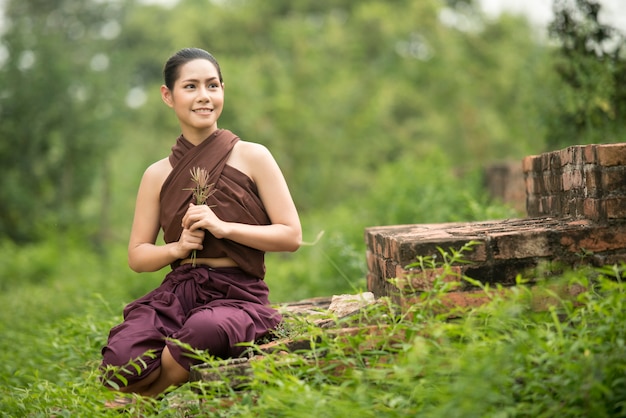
(379, 112)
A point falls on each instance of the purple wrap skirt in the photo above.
(212, 309)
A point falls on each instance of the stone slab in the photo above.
(504, 249)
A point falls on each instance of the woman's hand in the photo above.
(189, 240)
(202, 217)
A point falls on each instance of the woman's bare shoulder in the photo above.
(158, 171)
(249, 157)
(252, 152)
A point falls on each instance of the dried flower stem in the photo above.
(202, 190)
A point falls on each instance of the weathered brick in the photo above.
(616, 207)
(554, 160)
(572, 178)
(552, 181)
(554, 204)
(597, 238)
(532, 206)
(574, 155)
(417, 280)
(609, 155)
(614, 180)
(590, 154)
(568, 156)
(545, 161)
(592, 180)
(524, 244)
(593, 209)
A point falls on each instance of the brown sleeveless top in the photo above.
(235, 199)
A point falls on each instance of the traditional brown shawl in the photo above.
(235, 199)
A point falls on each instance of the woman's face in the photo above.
(197, 98)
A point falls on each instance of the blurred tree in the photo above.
(592, 67)
(337, 89)
(61, 101)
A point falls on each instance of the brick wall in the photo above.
(580, 181)
(576, 201)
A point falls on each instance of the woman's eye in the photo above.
(189, 86)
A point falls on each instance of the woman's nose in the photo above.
(204, 93)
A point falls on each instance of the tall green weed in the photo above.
(503, 359)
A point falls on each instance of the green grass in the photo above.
(500, 360)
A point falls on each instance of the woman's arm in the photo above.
(143, 254)
(284, 233)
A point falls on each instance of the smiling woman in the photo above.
(215, 297)
(197, 98)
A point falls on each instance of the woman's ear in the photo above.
(166, 95)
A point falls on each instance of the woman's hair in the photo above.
(171, 71)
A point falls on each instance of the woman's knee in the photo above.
(205, 331)
(217, 331)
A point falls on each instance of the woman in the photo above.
(215, 297)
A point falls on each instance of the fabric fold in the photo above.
(235, 198)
